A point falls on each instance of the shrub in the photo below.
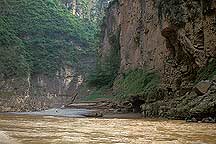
(137, 82)
(207, 72)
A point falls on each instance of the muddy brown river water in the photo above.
(38, 129)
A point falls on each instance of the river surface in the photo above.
(41, 129)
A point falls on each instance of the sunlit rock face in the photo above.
(175, 44)
(141, 41)
(175, 38)
(38, 91)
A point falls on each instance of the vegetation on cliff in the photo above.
(12, 60)
(92, 10)
(106, 75)
(41, 36)
(137, 82)
(107, 69)
(179, 12)
(185, 60)
(208, 72)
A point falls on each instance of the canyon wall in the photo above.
(174, 38)
(38, 92)
(45, 53)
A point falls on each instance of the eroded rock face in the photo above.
(202, 87)
(141, 41)
(39, 92)
(189, 105)
(150, 37)
(111, 26)
(175, 38)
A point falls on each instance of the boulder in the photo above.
(202, 87)
(208, 120)
(94, 114)
(193, 119)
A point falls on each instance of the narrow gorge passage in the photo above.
(107, 71)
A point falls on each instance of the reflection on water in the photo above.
(27, 129)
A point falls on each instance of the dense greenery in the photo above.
(12, 60)
(207, 72)
(97, 94)
(40, 36)
(92, 10)
(137, 82)
(107, 68)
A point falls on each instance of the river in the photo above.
(41, 129)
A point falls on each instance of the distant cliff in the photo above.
(45, 53)
(171, 39)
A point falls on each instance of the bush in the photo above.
(137, 82)
(207, 72)
(98, 93)
(12, 55)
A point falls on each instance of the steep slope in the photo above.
(174, 40)
(41, 48)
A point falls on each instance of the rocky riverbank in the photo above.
(105, 108)
(176, 40)
(199, 103)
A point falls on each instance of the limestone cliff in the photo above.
(38, 92)
(176, 38)
(45, 53)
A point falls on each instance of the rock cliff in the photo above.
(45, 53)
(175, 38)
(38, 92)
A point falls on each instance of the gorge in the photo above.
(157, 55)
(166, 55)
(138, 67)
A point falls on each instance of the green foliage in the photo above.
(12, 60)
(207, 72)
(107, 69)
(98, 12)
(40, 36)
(12, 63)
(5, 94)
(141, 82)
(90, 10)
(98, 93)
